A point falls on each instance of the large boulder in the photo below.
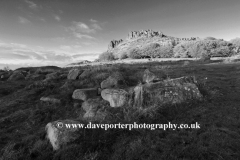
(173, 91)
(59, 133)
(114, 81)
(74, 73)
(16, 75)
(116, 97)
(148, 76)
(84, 94)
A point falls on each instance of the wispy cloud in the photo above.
(80, 36)
(31, 4)
(96, 26)
(23, 20)
(93, 20)
(58, 18)
(82, 30)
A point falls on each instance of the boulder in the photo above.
(85, 74)
(116, 97)
(59, 134)
(50, 99)
(74, 73)
(84, 94)
(16, 75)
(52, 76)
(148, 76)
(173, 91)
(114, 81)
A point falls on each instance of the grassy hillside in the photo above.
(23, 117)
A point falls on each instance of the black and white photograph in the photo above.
(119, 79)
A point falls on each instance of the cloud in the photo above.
(31, 4)
(23, 20)
(96, 27)
(80, 27)
(82, 30)
(93, 20)
(80, 36)
(58, 18)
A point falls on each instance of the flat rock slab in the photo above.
(84, 94)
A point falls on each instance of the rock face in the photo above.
(58, 134)
(74, 73)
(144, 33)
(84, 94)
(16, 75)
(113, 81)
(172, 91)
(116, 97)
(114, 43)
(148, 76)
(51, 100)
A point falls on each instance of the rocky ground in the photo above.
(33, 100)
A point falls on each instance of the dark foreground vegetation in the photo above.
(23, 116)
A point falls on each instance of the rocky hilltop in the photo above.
(141, 39)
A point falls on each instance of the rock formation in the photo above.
(144, 33)
(114, 43)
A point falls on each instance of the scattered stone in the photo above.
(51, 100)
(74, 73)
(84, 94)
(114, 81)
(59, 135)
(116, 97)
(148, 76)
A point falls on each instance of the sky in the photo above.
(59, 32)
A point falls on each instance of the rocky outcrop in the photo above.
(144, 33)
(114, 43)
(116, 97)
(74, 73)
(114, 81)
(84, 94)
(172, 91)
